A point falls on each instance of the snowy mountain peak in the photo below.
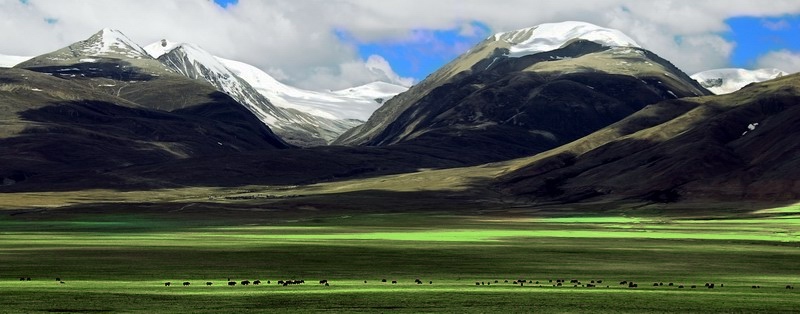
(725, 81)
(110, 42)
(551, 36)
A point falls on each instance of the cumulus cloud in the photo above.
(782, 60)
(297, 41)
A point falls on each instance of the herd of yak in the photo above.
(558, 283)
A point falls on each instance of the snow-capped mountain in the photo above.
(294, 123)
(7, 61)
(352, 103)
(105, 48)
(725, 81)
(550, 83)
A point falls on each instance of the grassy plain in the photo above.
(119, 262)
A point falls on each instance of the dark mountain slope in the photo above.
(54, 125)
(741, 146)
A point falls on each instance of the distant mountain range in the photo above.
(570, 112)
(301, 117)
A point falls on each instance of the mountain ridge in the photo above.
(728, 80)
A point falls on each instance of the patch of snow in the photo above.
(551, 36)
(672, 94)
(88, 60)
(725, 81)
(752, 126)
(36, 89)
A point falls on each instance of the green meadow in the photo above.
(119, 263)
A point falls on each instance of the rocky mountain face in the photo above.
(527, 91)
(739, 146)
(725, 81)
(104, 103)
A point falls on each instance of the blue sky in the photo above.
(224, 3)
(755, 36)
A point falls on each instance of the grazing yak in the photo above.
(231, 283)
(323, 281)
(166, 284)
(257, 282)
(186, 283)
(208, 283)
(245, 282)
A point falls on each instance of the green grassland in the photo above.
(119, 262)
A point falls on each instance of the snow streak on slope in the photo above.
(10, 61)
(725, 81)
(353, 103)
(551, 36)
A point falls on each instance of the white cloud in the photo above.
(296, 40)
(782, 60)
(777, 25)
